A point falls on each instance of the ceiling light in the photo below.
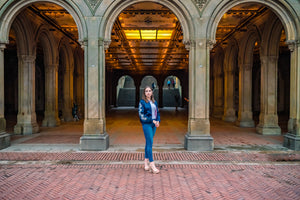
(148, 34)
(164, 34)
(132, 34)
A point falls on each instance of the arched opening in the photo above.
(253, 100)
(34, 91)
(126, 92)
(146, 44)
(172, 92)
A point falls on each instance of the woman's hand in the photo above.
(156, 123)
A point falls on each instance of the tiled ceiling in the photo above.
(136, 52)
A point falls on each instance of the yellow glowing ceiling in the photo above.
(148, 34)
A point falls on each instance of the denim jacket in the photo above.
(145, 112)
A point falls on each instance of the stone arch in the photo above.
(24, 36)
(125, 91)
(285, 12)
(12, 9)
(183, 12)
(247, 44)
(49, 44)
(67, 60)
(271, 38)
(172, 97)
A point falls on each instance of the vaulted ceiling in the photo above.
(148, 36)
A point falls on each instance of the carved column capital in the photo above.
(2, 46)
(189, 44)
(292, 44)
(83, 43)
(27, 58)
(210, 44)
(106, 44)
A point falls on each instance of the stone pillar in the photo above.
(218, 109)
(245, 116)
(51, 106)
(198, 137)
(95, 136)
(4, 137)
(68, 94)
(292, 139)
(268, 118)
(160, 95)
(137, 94)
(26, 119)
(229, 111)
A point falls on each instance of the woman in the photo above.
(150, 119)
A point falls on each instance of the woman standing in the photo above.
(150, 119)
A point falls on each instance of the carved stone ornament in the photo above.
(93, 4)
(200, 3)
(291, 44)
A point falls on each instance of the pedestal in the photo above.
(94, 142)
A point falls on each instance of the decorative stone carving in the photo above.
(106, 44)
(210, 44)
(200, 3)
(188, 44)
(291, 44)
(83, 43)
(93, 4)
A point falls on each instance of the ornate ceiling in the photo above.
(162, 49)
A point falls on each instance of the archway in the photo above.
(37, 48)
(258, 51)
(172, 92)
(126, 92)
(146, 56)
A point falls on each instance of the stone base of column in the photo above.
(218, 112)
(26, 129)
(198, 143)
(245, 124)
(268, 130)
(51, 122)
(4, 140)
(68, 117)
(229, 118)
(292, 142)
(94, 142)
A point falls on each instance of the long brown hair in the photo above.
(144, 96)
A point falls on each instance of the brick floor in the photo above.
(130, 181)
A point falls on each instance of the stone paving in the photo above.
(243, 165)
(119, 175)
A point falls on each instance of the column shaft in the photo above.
(268, 118)
(4, 137)
(26, 119)
(245, 116)
(229, 111)
(51, 106)
(292, 139)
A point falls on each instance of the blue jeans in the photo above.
(149, 132)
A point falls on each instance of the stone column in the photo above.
(160, 95)
(245, 116)
(51, 96)
(95, 136)
(68, 94)
(268, 118)
(137, 94)
(198, 137)
(26, 119)
(218, 108)
(4, 137)
(292, 139)
(229, 111)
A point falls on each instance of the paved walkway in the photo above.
(243, 165)
(120, 175)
